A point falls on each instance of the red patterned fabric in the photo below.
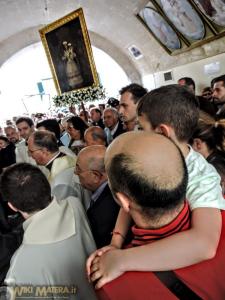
(146, 236)
(206, 279)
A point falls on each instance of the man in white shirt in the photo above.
(25, 127)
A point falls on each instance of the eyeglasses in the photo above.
(32, 151)
(78, 171)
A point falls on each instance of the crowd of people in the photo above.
(138, 184)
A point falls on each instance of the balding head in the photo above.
(42, 146)
(149, 170)
(94, 135)
(90, 167)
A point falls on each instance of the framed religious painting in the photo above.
(214, 12)
(160, 29)
(178, 25)
(184, 18)
(68, 49)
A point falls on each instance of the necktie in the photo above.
(109, 135)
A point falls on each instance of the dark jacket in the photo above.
(119, 130)
(207, 106)
(99, 123)
(102, 216)
(7, 156)
(11, 236)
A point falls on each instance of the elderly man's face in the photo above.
(127, 108)
(35, 152)
(110, 120)
(84, 174)
(12, 135)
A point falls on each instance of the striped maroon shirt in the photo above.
(145, 236)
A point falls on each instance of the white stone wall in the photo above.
(113, 27)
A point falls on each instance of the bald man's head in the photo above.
(94, 135)
(149, 169)
(90, 167)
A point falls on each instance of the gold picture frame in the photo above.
(163, 20)
(213, 14)
(68, 49)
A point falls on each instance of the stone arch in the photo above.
(30, 36)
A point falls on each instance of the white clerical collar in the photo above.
(54, 157)
(52, 224)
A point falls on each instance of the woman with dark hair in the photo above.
(3, 141)
(76, 128)
(209, 140)
(50, 125)
(84, 115)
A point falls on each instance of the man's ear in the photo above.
(12, 207)
(24, 214)
(124, 201)
(164, 130)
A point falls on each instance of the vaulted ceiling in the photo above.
(113, 27)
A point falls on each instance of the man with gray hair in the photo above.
(42, 146)
(12, 134)
(103, 210)
(113, 125)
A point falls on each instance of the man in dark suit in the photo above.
(11, 235)
(96, 117)
(218, 85)
(103, 209)
(113, 125)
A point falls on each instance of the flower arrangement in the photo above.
(89, 94)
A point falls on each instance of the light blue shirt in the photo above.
(65, 139)
(203, 188)
(98, 192)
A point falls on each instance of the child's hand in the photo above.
(106, 267)
(95, 254)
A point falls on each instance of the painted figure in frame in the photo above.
(213, 9)
(161, 29)
(184, 17)
(73, 74)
